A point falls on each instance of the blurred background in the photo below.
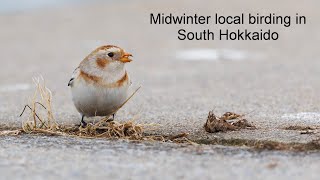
(273, 81)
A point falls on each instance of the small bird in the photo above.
(100, 84)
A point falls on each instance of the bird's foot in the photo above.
(111, 119)
(83, 124)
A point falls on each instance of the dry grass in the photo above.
(40, 118)
(302, 129)
(42, 121)
(10, 132)
(222, 124)
(299, 128)
(262, 145)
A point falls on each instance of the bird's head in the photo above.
(106, 57)
(111, 54)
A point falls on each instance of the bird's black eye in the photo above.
(110, 54)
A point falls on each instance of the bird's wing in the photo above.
(74, 76)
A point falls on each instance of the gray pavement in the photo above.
(277, 88)
(36, 157)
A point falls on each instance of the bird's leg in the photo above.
(111, 119)
(83, 123)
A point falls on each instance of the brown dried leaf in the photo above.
(215, 124)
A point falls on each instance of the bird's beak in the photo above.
(125, 58)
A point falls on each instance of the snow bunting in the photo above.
(100, 84)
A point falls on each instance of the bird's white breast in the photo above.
(91, 99)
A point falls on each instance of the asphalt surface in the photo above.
(36, 157)
(276, 87)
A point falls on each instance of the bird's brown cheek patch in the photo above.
(102, 63)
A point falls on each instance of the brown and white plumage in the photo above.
(100, 84)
